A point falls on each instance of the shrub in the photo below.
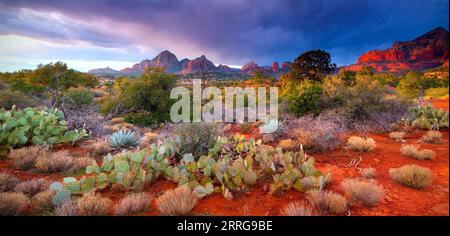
(100, 148)
(76, 98)
(132, 204)
(432, 136)
(319, 133)
(10, 98)
(93, 205)
(436, 92)
(328, 202)
(196, 138)
(42, 201)
(178, 201)
(414, 152)
(7, 182)
(12, 204)
(397, 136)
(288, 145)
(146, 119)
(148, 139)
(32, 187)
(25, 158)
(368, 194)
(361, 144)
(61, 161)
(304, 98)
(368, 173)
(245, 127)
(123, 139)
(412, 176)
(117, 120)
(298, 209)
(68, 208)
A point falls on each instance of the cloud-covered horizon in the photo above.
(100, 33)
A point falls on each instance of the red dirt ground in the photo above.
(398, 200)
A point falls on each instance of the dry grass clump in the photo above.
(61, 161)
(288, 145)
(32, 187)
(7, 182)
(42, 201)
(328, 202)
(369, 194)
(361, 144)
(309, 182)
(413, 151)
(369, 173)
(12, 204)
(412, 176)
(178, 201)
(298, 209)
(117, 120)
(148, 139)
(25, 158)
(397, 136)
(100, 148)
(432, 136)
(67, 209)
(93, 205)
(132, 204)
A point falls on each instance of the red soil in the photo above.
(398, 200)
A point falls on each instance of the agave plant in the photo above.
(271, 126)
(123, 139)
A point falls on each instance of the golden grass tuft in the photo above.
(413, 151)
(359, 144)
(298, 209)
(32, 187)
(369, 194)
(397, 136)
(178, 201)
(12, 204)
(25, 158)
(432, 136)
(7, 182)
(100, 148)
(328, 202)
(288, 145)
(133, 204)
(412, 176)
(42, 201)
(369, 173)
(93, 205)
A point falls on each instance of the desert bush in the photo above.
(42, 201)
(437, 92)
(132, 204)
(32, 187)
(117, 120)
(412, 176)
(148, 139)
(368, 173)
(319, 133)
(368, 194)
(61, 161)
(178, 201)
(196, 138)
(397, 136)
(7, 182)
(298, 209)
(93, 205)
(245, 127)
(10, 98)
(361, 144)
(432, 136)
(414, 152)
(304, 97)
(123, 139)
(25, 158)
(67, 209)
(76, 98)
(328, 202)
(12, 204)
(100, 148)
(288, 145)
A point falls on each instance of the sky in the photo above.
(116, 33)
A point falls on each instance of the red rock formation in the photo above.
(427, 51)
(197, 65)
(275, 67)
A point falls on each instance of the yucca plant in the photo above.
(123, 139)
(271, 126)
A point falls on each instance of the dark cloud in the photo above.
(234, 31)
